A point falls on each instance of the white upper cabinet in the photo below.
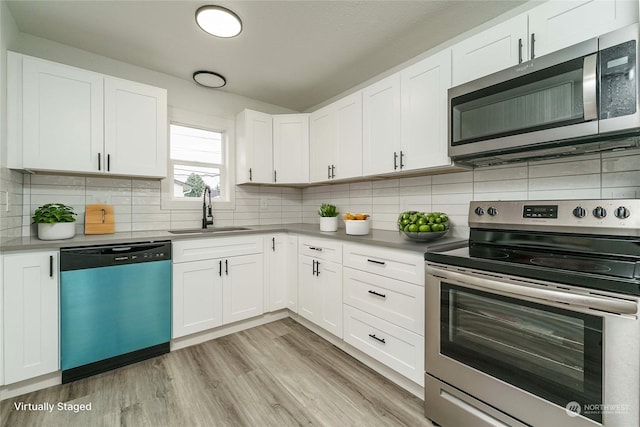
(62, 117)
(336, 140)
(135, 134)
(65, 119)
(494, 49)
(254, 154)
(381, 126)
(405, 118)
(551, 26)
(291, 148)
(554, 24)
(424, 86)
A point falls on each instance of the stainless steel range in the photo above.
(535, 322)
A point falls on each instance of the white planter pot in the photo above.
(328, 223)
(60, 230)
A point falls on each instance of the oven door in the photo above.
(538, 352)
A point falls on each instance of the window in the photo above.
(195, 161)
(200, 152)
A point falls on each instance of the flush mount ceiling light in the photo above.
(209, 79)
(218, 21)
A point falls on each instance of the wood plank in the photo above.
(278, 374)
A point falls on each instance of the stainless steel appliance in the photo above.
(580, 99)
(535, 322)
(115, 306)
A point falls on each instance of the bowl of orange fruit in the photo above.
(357, 224)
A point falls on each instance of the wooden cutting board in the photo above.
(99, 219)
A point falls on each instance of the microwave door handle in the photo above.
(589, 87)
(542, 295)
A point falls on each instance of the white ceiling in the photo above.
(294, 54)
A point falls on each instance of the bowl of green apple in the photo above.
(423, 226)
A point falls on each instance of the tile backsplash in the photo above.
(138, 207)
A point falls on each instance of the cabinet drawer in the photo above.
(398, 302)
(399, 349)
(215, 247)
(397, 264)
(328, 250)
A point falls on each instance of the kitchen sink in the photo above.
(207, 230)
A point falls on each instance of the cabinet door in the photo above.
(553, 24)
(495, 49)
(291, 148)
(242, 287)
(197, 296)
(254, 154)
(322, 143)
(135, 129)
(330, 284)
(348, 117)
(309, 293)
(381, 126)
(31, 284)
(424, 112)
(62, 117)
(281, 269)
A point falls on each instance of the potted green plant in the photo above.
(55, 221)
(328, 217)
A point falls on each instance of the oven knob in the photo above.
(479, 211)
(599, 212)
(579, 212)
(622, 212)
(492, 211)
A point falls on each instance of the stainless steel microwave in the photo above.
(583, 98)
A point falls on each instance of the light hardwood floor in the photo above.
(279, 374)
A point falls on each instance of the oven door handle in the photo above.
(610, 305)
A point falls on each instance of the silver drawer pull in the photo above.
(313, 248)
(376, 261)
(377, 339)
(377, 294)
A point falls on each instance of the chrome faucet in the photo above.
(207, 212)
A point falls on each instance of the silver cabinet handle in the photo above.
(328, 171)
(333, 171)
(250, 175)
(401, 156)
(589, 87)
(50, 265)
(544, 296)
(99, 161)
(376, 261)
(377, 294)
(313, 248)
(395, 160)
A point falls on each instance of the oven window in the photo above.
(551, 352)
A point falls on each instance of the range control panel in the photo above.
(600, 216)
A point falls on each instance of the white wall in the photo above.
(607, 175)
(10, 181)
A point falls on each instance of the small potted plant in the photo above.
(328, 217)
(55, 221)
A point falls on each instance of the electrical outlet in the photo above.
(264, 204)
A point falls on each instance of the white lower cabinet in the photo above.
(242, 287)
(396, 347)
(209, 289)
(384, 306)
(30, 317)
(281, 272)
(197, 297)
(320, 293)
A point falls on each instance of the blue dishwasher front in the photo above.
(115, 306)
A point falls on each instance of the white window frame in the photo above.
(193, 119)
